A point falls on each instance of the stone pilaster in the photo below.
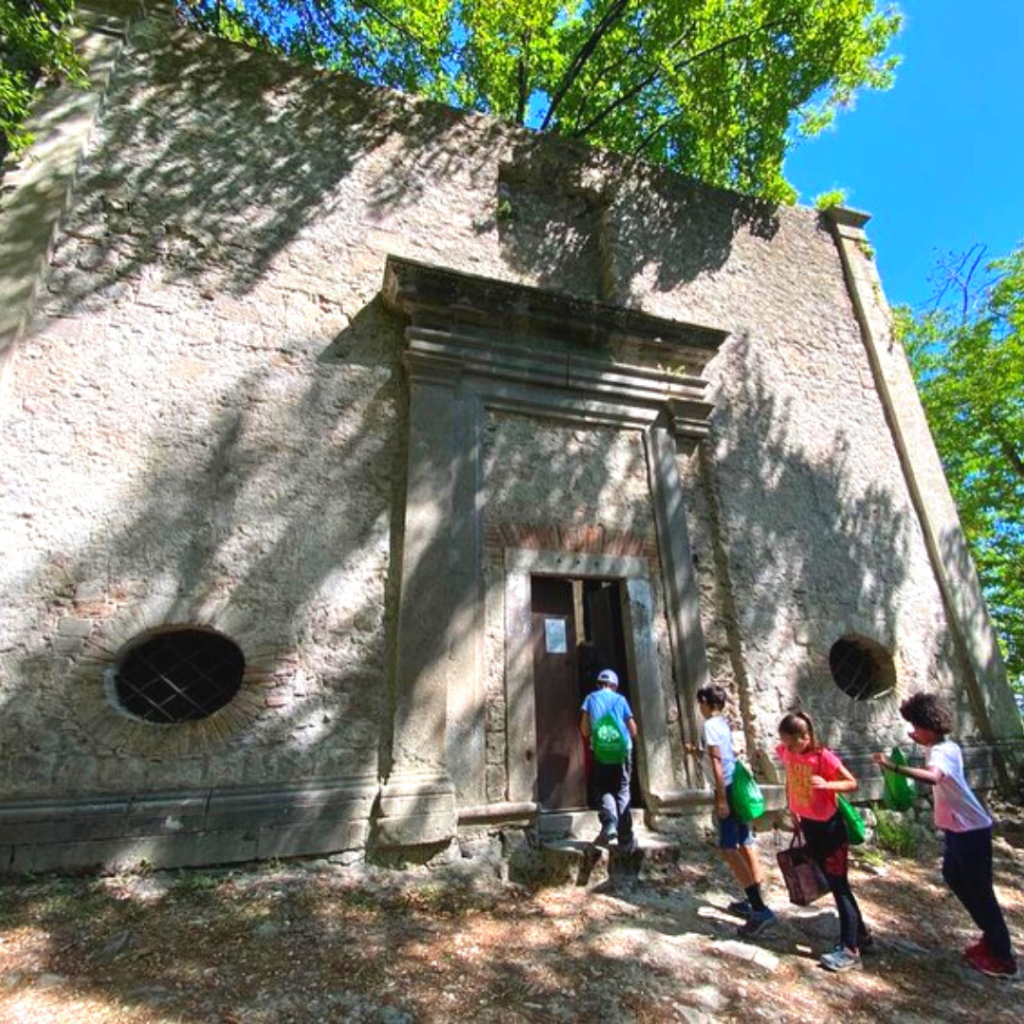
(944, 538)
(38, 187)
(438, 738)
(689, 652)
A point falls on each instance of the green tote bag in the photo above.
(747, 800)
(856, 830)
(899, 791)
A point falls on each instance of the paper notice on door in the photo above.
(556, 641)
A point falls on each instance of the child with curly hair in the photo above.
(967, 854)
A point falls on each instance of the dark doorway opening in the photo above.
(576, 630)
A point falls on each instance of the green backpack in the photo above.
(607, 741)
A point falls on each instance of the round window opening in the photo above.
(861, 668)
(178, 675)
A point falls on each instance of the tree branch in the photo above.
(523, 76)
(631, 55)
(610, 17)
(627, 96)
(397, 26)
(955, 277)
(666, 121)
(615, 104)
(521, 90)
(1013, 457)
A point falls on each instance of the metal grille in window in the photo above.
(861, 669)
(179, 676)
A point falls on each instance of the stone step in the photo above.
(575, 824)
(571, 861)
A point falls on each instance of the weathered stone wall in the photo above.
(801, 511)
(806, 509)
(204, 428)
(544, 474)
(206, 422)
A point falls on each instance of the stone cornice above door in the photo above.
(542, 353)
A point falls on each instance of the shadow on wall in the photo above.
(267, 515)
(539, 473)
(271, 511)
(297, 501)
(998, 715)
(563, 206)
(213, 164)
(813, 545)
(213, 158)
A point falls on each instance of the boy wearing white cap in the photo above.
(607, 722)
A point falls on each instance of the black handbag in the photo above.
(805, 881)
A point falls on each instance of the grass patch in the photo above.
(894, 833)
(871, 855)
(195, 881)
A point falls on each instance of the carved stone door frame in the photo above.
(475, 344)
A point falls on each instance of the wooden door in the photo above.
(560, 763)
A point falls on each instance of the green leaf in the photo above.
(35, 43)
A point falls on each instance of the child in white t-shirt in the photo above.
(735, 838)
(967, 859)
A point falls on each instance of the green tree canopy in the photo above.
(716, 89)
(967, 354)
(34, 43)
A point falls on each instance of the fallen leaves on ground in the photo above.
(310, 941)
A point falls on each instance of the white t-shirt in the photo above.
(956, 807)
(717, 733)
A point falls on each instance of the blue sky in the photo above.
(938, 161)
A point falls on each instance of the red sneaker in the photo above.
(978, 947)
(993, 966)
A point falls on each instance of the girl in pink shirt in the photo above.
(814, 775)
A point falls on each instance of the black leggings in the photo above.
(829, 846)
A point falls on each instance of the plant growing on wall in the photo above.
(967, 354)
(34, 43)
(716, 89)
(826, 200)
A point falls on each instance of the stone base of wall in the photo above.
(334, 816)
(171, 830)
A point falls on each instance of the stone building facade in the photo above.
(343, 431)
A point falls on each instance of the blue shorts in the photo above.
(733, 833)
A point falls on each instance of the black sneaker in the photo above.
(756, 923)
(741, 908)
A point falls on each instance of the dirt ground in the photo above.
(310, 941)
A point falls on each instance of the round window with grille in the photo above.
(861, 668)
(178, 675)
